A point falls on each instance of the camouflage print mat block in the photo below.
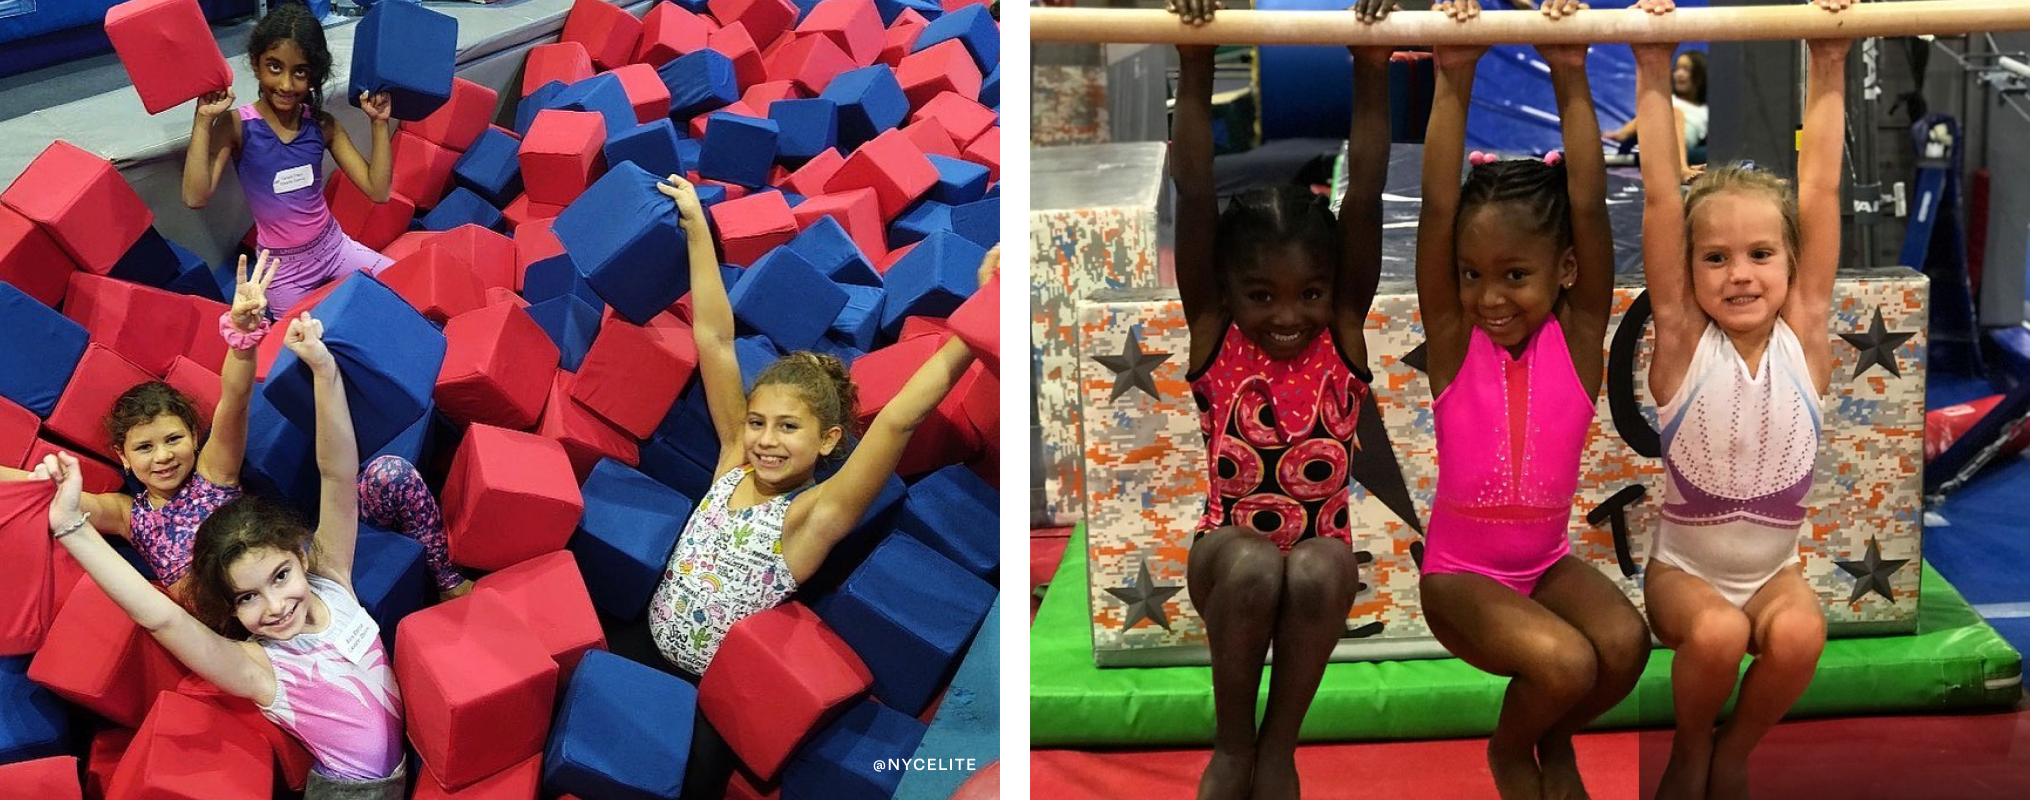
(1068, 96)
(1095, 213)
(1146, 472)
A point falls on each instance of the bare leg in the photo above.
(1708, 637)
(1320, 578)
(1235, 579)
(1580, 595)
(1788, 633)
(1499, 631)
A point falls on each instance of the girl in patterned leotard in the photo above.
(1515, 278)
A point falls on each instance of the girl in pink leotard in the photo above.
(1515, 277)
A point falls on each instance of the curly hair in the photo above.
(292, 21)
(142, 404)
(239, 527)
(1744, 178)
(1530, 185)
(1271, 216)
(823, 383)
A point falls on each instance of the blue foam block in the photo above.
(890, 9)
(391, 576)
(463, 207)
(600, 94)
(544, 98)
(944, 509)
(786, 299)
(844, 351)
(931, 280)
(556, 277)
(195, 277)
(804, 8)
(859, 321)
(624, 540)
(694, 6)
(387, 352)
(655, 147)
(870, 102)
(828, 247)
(492, 167)
(622, 234)
(755, 353)
(809, 127)
(994, 190)
(622, 731)
(661, 460)
(958, 181)
(839, 762)
(792, 198)
(33, 722)
(571, 324)
(407, 51)
(43, 349)
(689, 151)
(990, 90)
(687, 429)
(919, 221)
(415, 443)
(968, 722)
(739, 149)
(907, 612)
(974, 25)
(699, 81)
(149, 261)
(979, 221)
(281, 459)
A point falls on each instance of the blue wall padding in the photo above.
(492, 167)
(968, 722)
(33, 722)
(622, 732)
(407, 51)
(828, 247)
(890, 9)
(739, 149)
(870, 102)
(859, 321)
(786, 299)
(973, 25)
(809, 127)
(931, 280)
(194, 277)
(958, 181)
(838, 763)
(570, 323)
(387, 351)
(281, 460)
(917, 222)
(149, 262)
(600, 94)
(43, 349)
(661, 460)
(699, 81)
(555, 277)
(755, 353)
(622, 235)
(687, 428)
(624, 540)
(979, 221)
(544, 98)
(944, 509)
(463, 207)
(990, 90)
(655, 147)
(907, 612)
(390, 574)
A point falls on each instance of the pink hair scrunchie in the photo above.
(1479, 158)
(1554, 158)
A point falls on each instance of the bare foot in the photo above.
(1684, 778)
(1275, 776)
(1728, 779)
(1227, 777)
(1560, 764)
(1516, 775)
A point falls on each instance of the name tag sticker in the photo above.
(294, 178)
(354, 636)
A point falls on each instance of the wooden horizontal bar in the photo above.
(1935, 17)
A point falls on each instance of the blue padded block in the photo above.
(694, 6)
(699, 81)
(958, 181)
(944, 509)
(492, 167)
(407, 51)
(792, 198)
(387, 351)
(149, 261)
(974, 26)
(281, 459)
(870, 101)
(414, 443)
(690, 150)
(42, 350)
(968, 721)
(786, 299)
(859, 322)
(687, 429)
(979, 221)
(838, 763)
(622, 235)
(829, 248)
(556, 277)
(543, 98)
(196, 277)
(622, 732)
(804, 8)
(931, 280)
(809, 127)
(228, 282)
(624, 540)
(890, 9)
(661, 460)
(830, 345)
(731, 275)
(571, 324)
(463, 207)
(739, 149)
(755, 353)
(907, 612)
(391, 576)
(990, 90)
(919, 221)
(886, 507)
(655, 147)
(33, 722)
(600, 94)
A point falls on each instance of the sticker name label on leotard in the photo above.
(354, 636)
(294, 178)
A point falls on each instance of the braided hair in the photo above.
(1273, 216)
(292, 22)
(1534, 187)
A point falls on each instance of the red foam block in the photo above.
(496, 296)
(629, 378)
(943, 67)
(498, 367)
(477, 686)
(857, 210)
(534, 243)
(586, 437)
(986, 151)
(436, 281)
(962, 117)
(810, 62)
(786, 660)
(548, 594)
(892, 166)
(96, 657)
(490, 254)
(901, 36)
(367, 222)
(810, 179)
(148, 326)
(645, 91)
(509, 497)
(199, 383)
(751, 226)
(109, 745)
(734, 191)
(978, 322)
(762, 94)
(699, 123)
(523, 211)
(80, 414)
(81, 201)
(562, 155)
(26, 602)
(31, 261)
(290, 756)
(607, 32)
(854, 26)
(930, 136)
(18, 427)
(190, 749)
(168, 50)
(737, 43)
(881, 374)
(99, 475)
(456, 123)
(669, 31)
(422, 169)
(408, 244)
(567, 62)
(519, 782)
(53, 778)
(763, 19)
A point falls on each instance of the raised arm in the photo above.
(1673, 310)
(711, 325)
(1197, 203)
(1360, 209)
(337, 453)
(1818, 202)
(375, 173)
(1591, 295)
(226, 449)
(215, 657)
(1437, 268)
(212, 135)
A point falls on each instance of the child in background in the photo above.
(280, 159)
(1515, 279)
(1276, 293)
(1740, 275)
(311, 658)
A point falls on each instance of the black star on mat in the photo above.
(1133, 368)
(1871, 573)
(1877, 346)
(1145, 600)
(1417, 358)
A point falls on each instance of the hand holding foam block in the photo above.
(624, 238)
(388, 353)
(407, 51)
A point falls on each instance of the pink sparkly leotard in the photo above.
(1281, 434)
(1509, 436)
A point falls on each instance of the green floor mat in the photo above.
(1954, 662)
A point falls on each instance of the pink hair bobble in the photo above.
(1479, 158)
(1554, 158)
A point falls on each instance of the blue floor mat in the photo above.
(1983, 550)
(2016, 630)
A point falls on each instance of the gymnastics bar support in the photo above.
(1753, 23)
